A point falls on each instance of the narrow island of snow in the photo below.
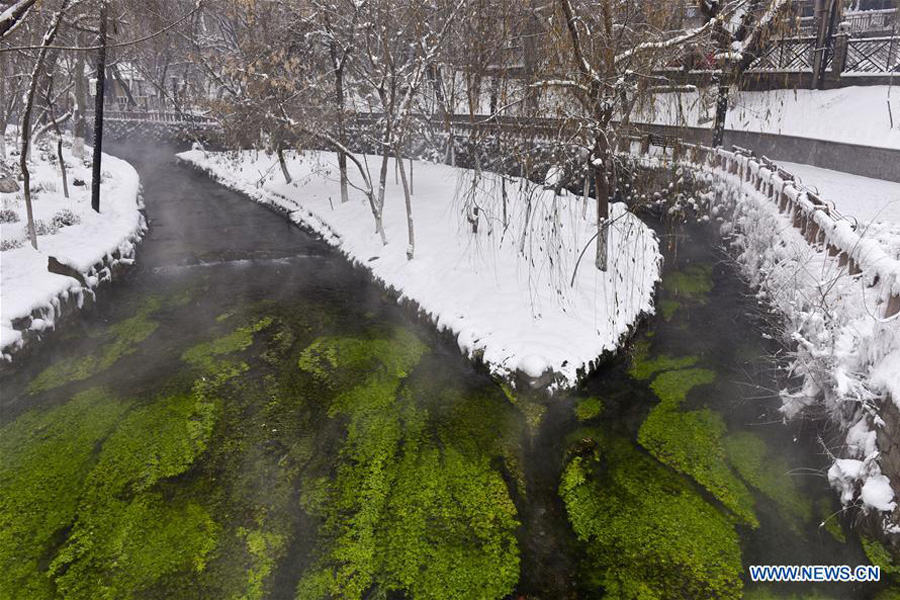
(68, 230)
(496, 259)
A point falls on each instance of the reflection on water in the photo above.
(246, 417)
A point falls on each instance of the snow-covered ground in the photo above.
(68, 230)
(505, 294)
(853, 115)
(868, 200)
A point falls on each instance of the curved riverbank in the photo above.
(500, 286)
(92, 248)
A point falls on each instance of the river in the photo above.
(246, 416)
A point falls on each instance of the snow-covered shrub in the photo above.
(10, 244)
(41, 227)
(8, 216)
(65, 218)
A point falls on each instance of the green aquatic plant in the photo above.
(672, 386)
(44, 459)
(829, 519)
(531, 408)
(413, 508)
(646, 530)
(879, 556)
(123, 525)
(643, 367)
(668, 307)
(691, 443)
(264, 547)
(204, 354)
(588, 408)
(123, 339)
(694, 282)
(770, 475)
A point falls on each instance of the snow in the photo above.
(886, 375)
(866, 199)
(505, 296)
(842, 475)
(25, 283)
(877, 493)
(853, 115)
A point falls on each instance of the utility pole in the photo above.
(98, 106)
(827, 17)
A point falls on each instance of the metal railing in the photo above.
(155, 117)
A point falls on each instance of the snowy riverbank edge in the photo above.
(33, 300)
(845, 355)
(502, 315)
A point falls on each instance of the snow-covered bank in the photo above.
(852, 115)
(866, 199)
(503, 291)
(68, 230)
(833, 306)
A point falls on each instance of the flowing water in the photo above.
(245, 416)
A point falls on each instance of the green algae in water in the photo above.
(264, 547)
(879, 556)
(123, 337)
(203, 354)
(829, 520)
(694, 282)
(44, 459)
(691, 442)
(672, 387)
(406, 512)
(769, 474)
(643, 367)
(531, 408)
(668, 307)
(588, 408)
(646, 530)
(123, 524)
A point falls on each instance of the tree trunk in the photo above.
(281, 161)
(378, 209)
(2, 107)
(80, 120)
(26, 120)
(601, 182)
(342, 158)
(59, 154)
(62, 164)
(410, 229)
(98, 108)
(721, 110)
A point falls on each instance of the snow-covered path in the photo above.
(868, 200)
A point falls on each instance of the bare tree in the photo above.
(36, 73)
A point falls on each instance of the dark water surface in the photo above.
(246, 417)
